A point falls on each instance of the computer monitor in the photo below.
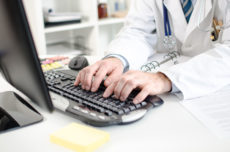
(19, 61)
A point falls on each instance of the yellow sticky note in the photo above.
(80, 138)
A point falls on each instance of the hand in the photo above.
(148, 83)
(91, 77)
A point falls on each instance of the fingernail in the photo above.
(107, 82)
(135, 101)
(93, 89)
(122, 99)
(105, 95)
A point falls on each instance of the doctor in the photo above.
(189, 23)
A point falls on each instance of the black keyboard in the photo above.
(91, 107)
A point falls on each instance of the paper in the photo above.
(213, 111)
(80, 138)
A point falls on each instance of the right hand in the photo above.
(91, 77)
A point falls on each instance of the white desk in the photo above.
(169, 128)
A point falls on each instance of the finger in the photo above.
(82, 79)
(127, 89)
(112, 77)
(141, 96)
(109, 90)
(77, 81)
(118, 88)
(87, 76)
(120, 85)
(100, 75)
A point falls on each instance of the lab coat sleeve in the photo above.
(203, 74)
(137, 38)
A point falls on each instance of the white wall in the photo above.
(35, 17)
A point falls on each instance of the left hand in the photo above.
(148, 83)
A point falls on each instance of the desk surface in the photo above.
(169, 128)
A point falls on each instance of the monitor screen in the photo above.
(19, 62)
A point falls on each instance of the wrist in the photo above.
(115, 60)
(122, 59)
(167, 83)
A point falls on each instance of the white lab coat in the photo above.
(209, 68)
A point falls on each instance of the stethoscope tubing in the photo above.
(167, 26)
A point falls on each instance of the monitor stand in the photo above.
(15, 112)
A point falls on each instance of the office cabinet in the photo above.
(90, 37)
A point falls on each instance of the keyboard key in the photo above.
(102, 117)
(102, 110)
(126, 110)
(77, 99)
(92, 95)
(121, 104)
(64, 79)
(106, 101)
(114, 109)
(132, 107)
(101, 99)
(108, 112)
(138, 105)
(93, 114)
(105, 105)
(98, 97)
(144, 103)
(98, 102)
(119, 112)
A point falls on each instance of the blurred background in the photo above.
(75, 26)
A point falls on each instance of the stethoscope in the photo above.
(169, 40)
